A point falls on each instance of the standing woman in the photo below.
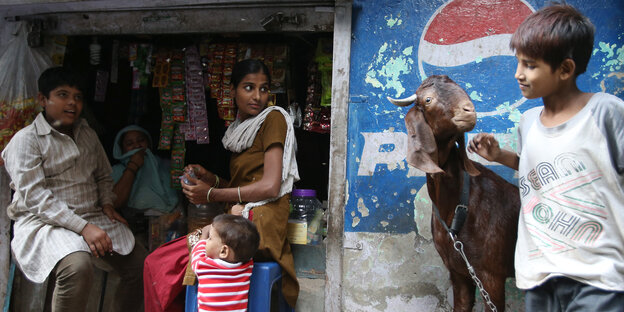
(263, 169)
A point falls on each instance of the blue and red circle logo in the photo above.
(469, 42)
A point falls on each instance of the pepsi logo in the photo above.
(469, 42)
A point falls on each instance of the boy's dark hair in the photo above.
(238, 233)
(55, 77)
(555, 33)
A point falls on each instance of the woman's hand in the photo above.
(201, 173)
(123, 187)
(198, 170)
(138, 158)
(196, 190)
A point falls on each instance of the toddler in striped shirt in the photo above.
(222, 261)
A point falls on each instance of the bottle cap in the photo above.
(304, 193)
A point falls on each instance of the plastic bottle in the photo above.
(305, 216)
(315, 228)
(200, 215)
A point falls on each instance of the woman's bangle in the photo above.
(216, 185)
(239, 197)
(208, 194)
(131, 170)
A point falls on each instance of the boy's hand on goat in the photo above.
(486, 146)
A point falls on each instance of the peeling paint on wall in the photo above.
(393, 21)
(387, 148)
(422, 213)
(475, 96)
(614, 58)
(619, 83)
(346, 193)
(391, 68)
(362, 208)
(611, 73)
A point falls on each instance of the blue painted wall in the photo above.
(385, 61)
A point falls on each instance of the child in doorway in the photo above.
(63, 203)
(222, 261)
(570, 163)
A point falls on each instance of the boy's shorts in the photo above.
(565, 295)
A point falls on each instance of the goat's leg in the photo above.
(463, 293)
(495, 286)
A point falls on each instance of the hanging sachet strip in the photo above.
(196, 125)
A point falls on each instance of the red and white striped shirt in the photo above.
(223, 286)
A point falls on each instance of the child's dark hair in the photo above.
(555, 33)
(249, 66)
(55, 77)
(238, 233)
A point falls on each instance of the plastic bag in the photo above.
(295, 114)
(20, 67)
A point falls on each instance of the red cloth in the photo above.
(163, 273)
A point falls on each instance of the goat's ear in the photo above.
(467, 163)
(422, 151)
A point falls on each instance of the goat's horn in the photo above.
(403, 102)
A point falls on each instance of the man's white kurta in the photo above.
(60, 185)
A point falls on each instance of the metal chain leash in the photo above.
(458, 220)
(460, 249)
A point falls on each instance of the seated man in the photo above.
(63, 202)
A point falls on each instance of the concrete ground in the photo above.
(311, 295)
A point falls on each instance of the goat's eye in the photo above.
(428, 100)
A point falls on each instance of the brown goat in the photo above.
(436, 125)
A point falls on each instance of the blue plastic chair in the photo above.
(264, 277)
(190, 304)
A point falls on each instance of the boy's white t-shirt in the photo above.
(571, 180)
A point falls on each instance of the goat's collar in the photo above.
(461, 210)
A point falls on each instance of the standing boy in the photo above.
(223, 264)
(570, 162)
(63, 202)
